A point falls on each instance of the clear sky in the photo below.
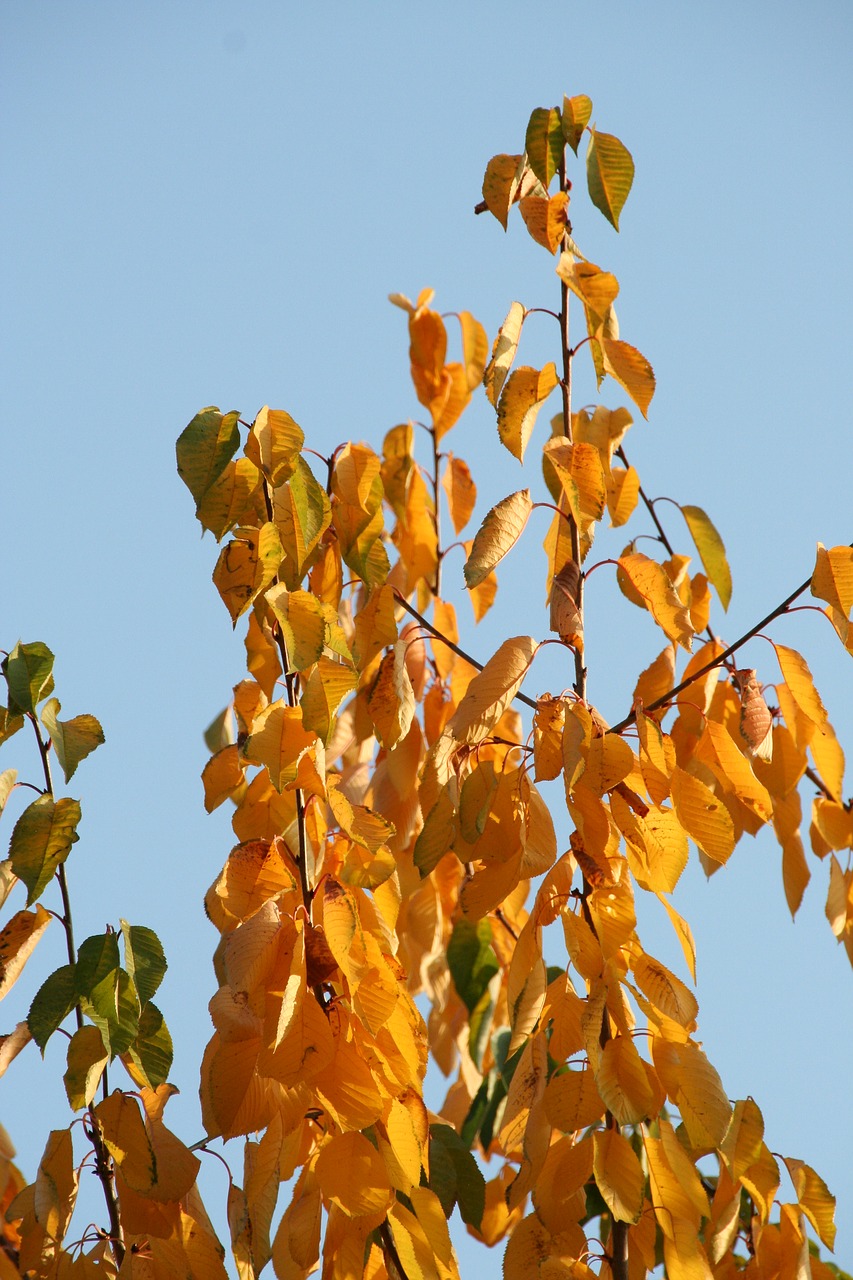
(208, 203)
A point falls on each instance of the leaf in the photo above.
(151, 1050)
(234, 498)
(274, 444)
(666, 992)
(246, 566)
(503, 352)
(609, 174)
(523, 395)
(500, 185)
(18, 939)
(52, 1003)
(566, 618)
(815, 1199)
(492, 690)
(391, 698)
(42, 840)
(710, 546)
(618, 1175)
(798, 677)
(832, 581)
(468, 1183)
(546, 218)
(703, 815)
(325, 689)
(572, 1100)
(576, 115)
(471, 960)
(87, 1059)
(8, 778)
(144, 959)
(499, 532)
(127, 1140)
(205, 448)
(73, 739)
(629, 367)
(460, 490)
(29, 674)
(596, 289)
(475, 348)
(651, 581)
(544, 143)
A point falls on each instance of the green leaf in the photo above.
(479, 1026)
(144, 959)
(87, 1058)
(471, 960)
(234, 498)
(576, 114)
(220, 732)
(609, 174)
(73, 739)
(29, 674)
(204, 449)
(114, 1009)
(469, 1185)
(151, 1051)
(544, 143)
(97, 963)
(710, 546)
(303, 513)
(41, 840)
(53, 1002)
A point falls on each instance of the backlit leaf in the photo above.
(627, 366)
(546, 219)
(703, 815)
(235, 498)
(500, 185)
(492, 690)
(204, 449)
(710, 546)
(575, 118)
(815, 1199)
(87, 1059)
(73, 739)
(503, 352)
(460, 490)
(29, 673)
(609, 174)
(544, 143)
(18, 939)
(274, 443)
(650, 580)
(246, 565)
(499, 532)
(798, 677)
(523, 394)
(666, 992)
(144, 959)
(618, 1174)
(42, 840)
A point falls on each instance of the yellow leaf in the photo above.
(627, 366)
(618, 1175)
(576, 114)
(503, 352)
(274, 444)
(475, 348)
(352, 1175)
(498, 533)
(761, 1180)
(703, 815)
(246, 566)
(580, 475)
(500, 185)
(684, 934)
(523, 395)
(492, 690)
(391, 699)
(460, 490)
(222, 776)
(572, 1101)
(300, 615)
(718, 750)
(710, 546)
(657, 679)
(742, 1144)
(666, 992)
(87, 1058)
(670, 1191)
(832, 579)
(596, 289)
(567, 1168)
(324, 691)
(623, 1082)
(546, 218)
(651, 582)
(127, 1140)
(610, 173)
(278, 740)
(623, 491)
(609, 760)
(235, 497)
(815, 1199)
(696, 1089)
(798, 677)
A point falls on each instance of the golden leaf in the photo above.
(575, 117)
(703, 815)
(610, 173)
(500, 185)
(523, 394)
(666, 992)
(627, 366)
(798, 678)
(623, 491)
(18, 939)
(492, 690)
(651, 582)
(710, 546)
(274, 444)
(815, 1199)
(566, 618)
(572, 1100)
(623, 1081)
(499, 532)
(503, 352)
(546, 218)
(618, 1175)
(460, 490)
(352, 1174)
(391, 699)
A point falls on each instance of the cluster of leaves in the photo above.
(394, 842)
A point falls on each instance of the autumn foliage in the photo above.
(397, 861)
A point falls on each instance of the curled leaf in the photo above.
(500, 531)
(503, 352)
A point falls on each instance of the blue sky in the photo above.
(208, 203)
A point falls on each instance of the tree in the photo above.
(399, 830)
